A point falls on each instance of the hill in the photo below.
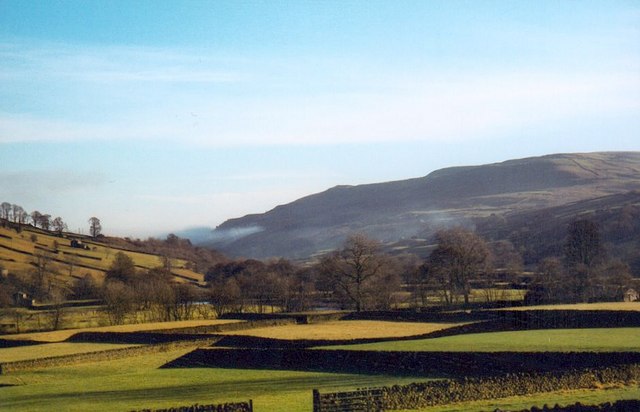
(396, 211)
(73, 256)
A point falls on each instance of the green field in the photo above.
(54, 349)
(587, 397)
(137, 383)
(553, 340)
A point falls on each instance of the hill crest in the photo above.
(392, 211)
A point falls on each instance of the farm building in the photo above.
(631, 295)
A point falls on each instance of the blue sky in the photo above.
(160, 115)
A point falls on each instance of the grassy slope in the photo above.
(97, 260)
(53, 349)
(557, 340)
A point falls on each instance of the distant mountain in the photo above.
(396, 211)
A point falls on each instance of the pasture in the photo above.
(136, 383)
(608, 306)
(61, 335)
(345, 330)
(20, 353)
(141, 382)
(554, 340)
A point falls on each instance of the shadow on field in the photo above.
(440, 364)
(10, 343)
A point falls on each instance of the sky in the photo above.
(156, 116)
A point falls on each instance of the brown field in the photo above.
(343, 330)
(632, 306)
(61, 335)
(54, 349)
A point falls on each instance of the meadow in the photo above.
(346, 330)
(136, 383)
(61, 335)
(554, 340)
(20, 353)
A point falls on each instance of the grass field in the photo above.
(343, 330)
(587, 397)
(136, 383)
(553, 340)
(633, 306)
(61, 335)
(53, 349)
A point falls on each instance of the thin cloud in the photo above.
(129, 93)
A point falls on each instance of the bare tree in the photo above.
(5, 211)
(45, 221)
(460, 255)
(59, 225)
(583, 243)
(41, 274)
(35, 218)
(95, 228)
(57, 312)
(353, 271)
(16, 211)
(119, 301)
(583, 251)
(225, 296)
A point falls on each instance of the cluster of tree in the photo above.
(584, 273)
(16, 214)
(259, 286)
(12, 213)
(152, 293)
(359, 276)
(541, 234)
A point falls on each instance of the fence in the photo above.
(362, 400)
(223, 407)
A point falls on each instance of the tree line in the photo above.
(16, 214)
(461, 267)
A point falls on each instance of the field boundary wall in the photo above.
(222, 407)
(420, 395)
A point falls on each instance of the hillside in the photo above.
(20, 249)
(393, 211)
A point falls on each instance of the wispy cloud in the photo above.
(196, 97)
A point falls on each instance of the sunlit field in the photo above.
(61, 335)
(53, 349)
(345, 330)
(553, 340)
(136, 383)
